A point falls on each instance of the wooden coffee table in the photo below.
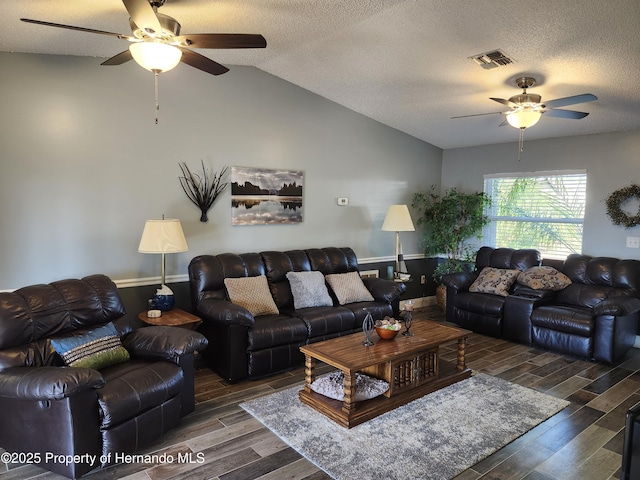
(411, 365)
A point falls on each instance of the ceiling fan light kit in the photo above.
(155, 56)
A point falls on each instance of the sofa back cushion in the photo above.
(277, 265)
(595, 279)
(37, 312)
(507, 258)
(207, 273)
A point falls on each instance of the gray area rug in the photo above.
(435, 437)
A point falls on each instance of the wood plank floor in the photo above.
(582, 442)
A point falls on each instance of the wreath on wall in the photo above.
(614, 206)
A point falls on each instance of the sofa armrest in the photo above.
(459, 281)
(225, 312)
(163, 343)
(618, 307)
(384, 290)
(47, 383)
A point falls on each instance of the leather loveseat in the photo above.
(245, 345)
(594, 316)
(481, 312)
(54, 401)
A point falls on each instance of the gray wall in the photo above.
(612, 162)
(83, 166)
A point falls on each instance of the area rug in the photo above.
(435, 437)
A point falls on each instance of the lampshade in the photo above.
(162, 236)
(523, 118)
(155, 56)
(398, 220)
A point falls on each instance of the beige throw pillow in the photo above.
(496, 281)
(348, 288)
(251, 293)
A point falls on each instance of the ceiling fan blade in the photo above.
(222, 40)
(563, 102)
(119, 59)
(143, 15)
(202, 63)
(564, 114)
(506, 122)
(79, 29)
(504, 102)
(478, 114)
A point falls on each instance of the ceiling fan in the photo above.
(154, 30)
(157, 45)
(525, 109)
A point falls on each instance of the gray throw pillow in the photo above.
(309, 290)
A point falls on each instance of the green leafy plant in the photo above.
(449, 220)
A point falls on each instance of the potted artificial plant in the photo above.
(449, 220)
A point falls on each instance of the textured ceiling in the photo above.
(403, 63)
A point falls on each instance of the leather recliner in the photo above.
(47, 408)
(597, 315)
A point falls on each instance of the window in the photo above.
(541, 210)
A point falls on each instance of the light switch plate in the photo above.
(633, 242)
(342, 201)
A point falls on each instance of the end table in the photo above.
(175, 317)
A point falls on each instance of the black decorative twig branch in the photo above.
(202, 190)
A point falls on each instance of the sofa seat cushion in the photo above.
(572, 320)
(134, 387)
(273, 330)
(327, 321)
(483, 303)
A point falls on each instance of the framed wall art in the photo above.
(266, 196)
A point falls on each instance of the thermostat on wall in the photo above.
(343, 201)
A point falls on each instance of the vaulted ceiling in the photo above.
(404, 63)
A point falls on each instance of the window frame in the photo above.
(490, 231)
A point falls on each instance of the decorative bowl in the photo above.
(386, 334)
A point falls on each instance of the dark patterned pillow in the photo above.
(349, 288)
(544, 278)
(496, 281)
(309, 290)
(98, 348)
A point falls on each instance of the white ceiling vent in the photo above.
(493, 59)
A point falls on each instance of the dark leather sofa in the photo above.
(47, 408)
(241, 345)
(595, 317)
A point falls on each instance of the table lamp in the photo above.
(398, 220)
(163, 236)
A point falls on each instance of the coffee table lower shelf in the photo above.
(368, 409)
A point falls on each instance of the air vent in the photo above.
(493, 59)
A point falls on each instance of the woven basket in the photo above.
(441, 297)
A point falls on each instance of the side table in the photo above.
(173, 318)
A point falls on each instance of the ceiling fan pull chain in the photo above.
(521, 143)
(155, 74)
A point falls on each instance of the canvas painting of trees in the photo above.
(266, 196)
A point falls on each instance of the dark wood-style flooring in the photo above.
(583, 442)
